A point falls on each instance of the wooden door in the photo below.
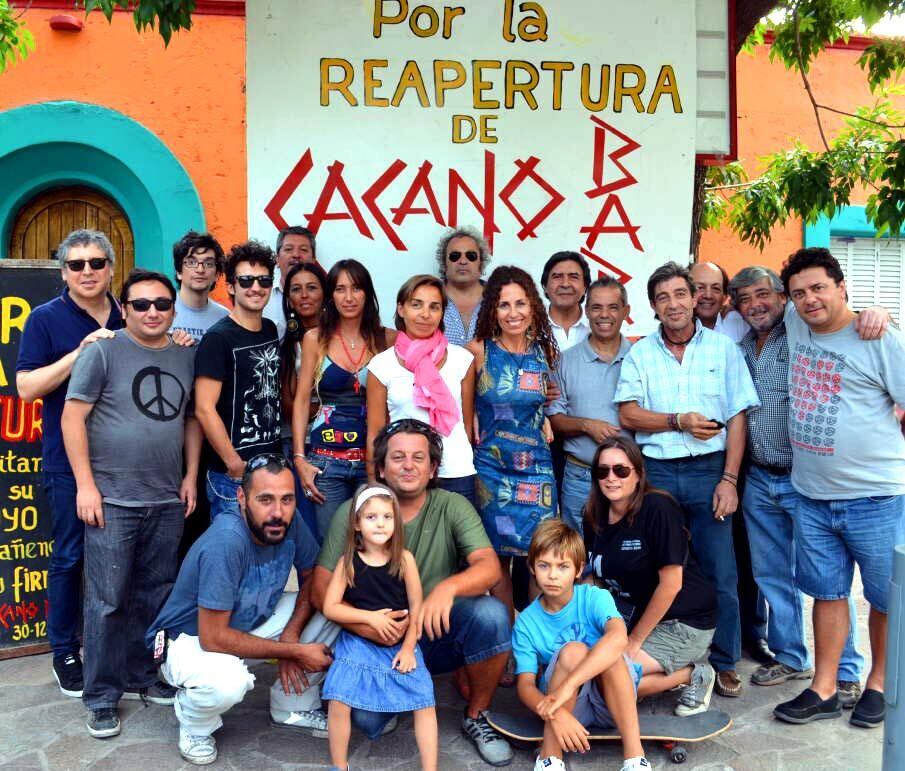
(47, 219)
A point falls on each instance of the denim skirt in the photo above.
(363, 677)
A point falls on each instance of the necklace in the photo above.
(512, 355)
(681, 344)
(352, 343)
(356, 364)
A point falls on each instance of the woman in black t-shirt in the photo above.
(638, 548)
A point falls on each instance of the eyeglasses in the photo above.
(191, 262)
(142, 304)
(603, 471)
(456, 256)
(265, 282)
(77, 266)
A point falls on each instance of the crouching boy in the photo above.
(574, 638)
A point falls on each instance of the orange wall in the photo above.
(191, 94)
(773, 110)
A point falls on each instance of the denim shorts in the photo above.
(831, 536)
(674, 645)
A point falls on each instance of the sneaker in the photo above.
(549, 764)
(634, 764)
(758, 650)
(776, 672)
(67, 671)
(312, 722)
(870, 710)
(695, 696)
(197, 750)
(848, 691)
(808, 706)
(103, 723)
(728, 683)
(158, 693)
(492, 747)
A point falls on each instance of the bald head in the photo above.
(712, 291)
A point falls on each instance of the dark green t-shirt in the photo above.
(441, 537)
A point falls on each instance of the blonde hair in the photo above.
(396, 545)
(556, 536)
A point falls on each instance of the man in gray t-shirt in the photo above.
(125, 424)
(848, 464)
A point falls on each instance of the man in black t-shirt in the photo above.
(237, 378)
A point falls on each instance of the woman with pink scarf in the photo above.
(425, 377)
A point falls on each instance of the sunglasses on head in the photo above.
(259, 461)
(265, 282)
(77, 266)
(142, 304)
(456, 256)
(603, 471)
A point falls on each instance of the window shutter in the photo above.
(873, 271)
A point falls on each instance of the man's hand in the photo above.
(871, 323)
(183, 338)
(553, 392)
(598, 430)
(89, 506)
(236, 469)
(292, 676)
(699, 426)
(633, 648)
(725, 500)
(188, 492)
(313, 657)
(389, 624)
(97, 334)
(433, 620)
(571, 735)
(547, 706)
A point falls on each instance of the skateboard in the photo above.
(672, 731)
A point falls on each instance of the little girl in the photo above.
(374, 576)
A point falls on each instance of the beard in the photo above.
(261, 534)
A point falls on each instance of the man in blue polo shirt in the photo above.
(55, 333)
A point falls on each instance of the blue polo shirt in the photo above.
(51, 331)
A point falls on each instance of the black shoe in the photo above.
(103, 723)
(849, 691)
(759, 651)
(807, 706)
(158, 693)
(67, 670)
(870, 710)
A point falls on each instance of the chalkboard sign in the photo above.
(26, 539)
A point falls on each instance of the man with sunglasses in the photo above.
(237, 368)
(295, 245)
(54, 334)
(462, 255)
(126, 423)
(198, 261)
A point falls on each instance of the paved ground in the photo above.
(40, 729)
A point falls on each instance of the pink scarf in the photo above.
(421, 357)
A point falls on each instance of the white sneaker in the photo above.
(695, 696)
(549, 764)
(198, 750)
(312, 722)
(637, 764)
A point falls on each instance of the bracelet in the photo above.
(679, 421)
(672, 422)
(733, 482)
(299, 455)
(730, 474)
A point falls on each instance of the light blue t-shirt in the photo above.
(196, 321)
(538, 635)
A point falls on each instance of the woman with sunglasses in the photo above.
(425, 378)
(639, 549)
(335, 358)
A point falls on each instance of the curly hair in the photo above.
(461, 232)
(252, 252)
(811, 257)
(539, 331)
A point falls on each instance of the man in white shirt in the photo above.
(198, 263)
(712, 301)
(295, 244)
(565, 279)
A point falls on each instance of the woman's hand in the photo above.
(307, 474)
(387, 627)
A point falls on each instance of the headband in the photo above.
(371, 492)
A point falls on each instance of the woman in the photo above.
(638, 547)
(335, 357)
(515, 353)
(426, 378)
(303, 300)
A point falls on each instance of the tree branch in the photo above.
(804, 77)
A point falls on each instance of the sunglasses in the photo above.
(265, 282)
(142, 304)
(77, 266)
(259, 461)
(412, 426)
(603, 471)
(456, 256)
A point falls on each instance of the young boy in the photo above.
(575, 637)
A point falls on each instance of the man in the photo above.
(295, 244)
(585, 413)
(198, 262)
(565, 279)
(55, 333)
(769, 500)
(459, 625)
(462, 255)
(684, 390)
(237, 367)
(848, 464)
(125, 425)
(228, 607)
(711, 300)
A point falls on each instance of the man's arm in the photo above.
(292, 676)
(33, 384)
(570, 425)
(88, 502)
(635, 418)
(207, 392)
(191, 451)
(725, 495)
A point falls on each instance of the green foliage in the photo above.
(15, 40)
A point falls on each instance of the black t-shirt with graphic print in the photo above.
(627, 558)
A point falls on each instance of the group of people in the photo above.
(509, 491)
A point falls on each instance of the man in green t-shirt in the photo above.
(460, 625)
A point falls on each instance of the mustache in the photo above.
(274, 523)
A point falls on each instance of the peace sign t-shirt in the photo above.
(137, 425)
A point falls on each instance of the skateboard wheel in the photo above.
(678, 754)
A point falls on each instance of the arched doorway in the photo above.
(44, 221)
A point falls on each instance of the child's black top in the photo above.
(375, 588)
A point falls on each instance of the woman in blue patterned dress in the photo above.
(515, 353)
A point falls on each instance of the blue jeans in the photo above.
(64, 579)
(691, 482)
(769, 506)
(831, 536)
(303, 505)
(338, 481)
(464, 486)
(478, 630)
(576, 485)
(221, 493)
(130, 567)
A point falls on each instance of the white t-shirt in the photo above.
(732, 325)
(458, 459)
